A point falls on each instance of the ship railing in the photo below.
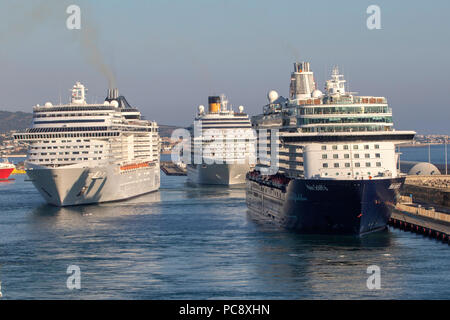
(276, 181)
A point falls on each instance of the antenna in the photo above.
(445, 150)
(348, 85)
(59, 91)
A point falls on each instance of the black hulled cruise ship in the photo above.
(326, 161)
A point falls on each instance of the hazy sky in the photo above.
(168, 56)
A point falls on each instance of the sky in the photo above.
(167, 57)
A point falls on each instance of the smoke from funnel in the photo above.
(89, 40)
(23, 20)
(292, 50)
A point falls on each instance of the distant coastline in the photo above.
(418, 145)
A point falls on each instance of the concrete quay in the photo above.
(426, 220)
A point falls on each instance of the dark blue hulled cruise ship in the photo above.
(326, 161)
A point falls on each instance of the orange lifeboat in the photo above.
(134, 166)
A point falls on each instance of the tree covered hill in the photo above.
(20, 120)
(14, 120)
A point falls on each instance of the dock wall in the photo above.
(433, 190)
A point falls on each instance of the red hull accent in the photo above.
(4, 173)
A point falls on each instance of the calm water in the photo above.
(187, 242)
(437, 154)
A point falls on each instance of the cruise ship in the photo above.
(222, 146)
(328, 163)
(81, 153)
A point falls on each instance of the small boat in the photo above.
(6, 168)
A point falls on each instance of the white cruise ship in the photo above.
(332, 164)
(82, 153)
(222, 148)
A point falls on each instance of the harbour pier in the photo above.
(433, 222)
(172, 169)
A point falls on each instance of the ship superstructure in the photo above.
(222, 147)
(334, 154)
(87, 153)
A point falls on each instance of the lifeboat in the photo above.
(134, 166)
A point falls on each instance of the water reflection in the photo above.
(74, 217)
(111, 242)
(194, 191)
(7, 181)
(323, 266)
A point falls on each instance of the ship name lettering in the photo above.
(394, 186)
(318, 187)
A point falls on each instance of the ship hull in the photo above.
(5, 173)
(353, 207)
(218, 174)
(68, 186)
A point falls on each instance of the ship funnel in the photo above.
(113, 94)
(214, 104)
(302, 81)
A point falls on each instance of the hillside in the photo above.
(165, 130)
(14, 120)
(21, 120)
